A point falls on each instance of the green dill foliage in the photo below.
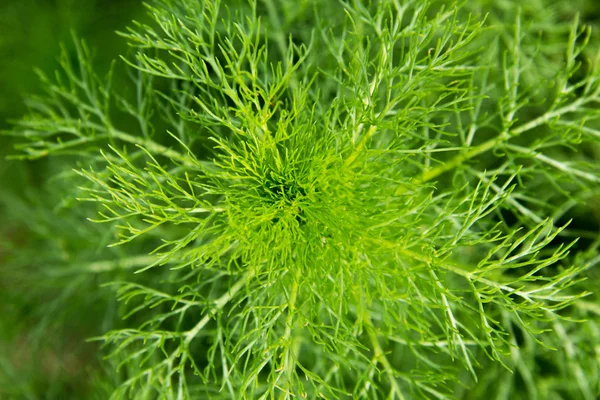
(338, 199)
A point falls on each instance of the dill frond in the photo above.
(339, 199)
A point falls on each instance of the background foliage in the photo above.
(60, 283)
(43, 352)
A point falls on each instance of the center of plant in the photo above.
(277, 188)
(283, 192)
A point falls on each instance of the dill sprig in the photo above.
(338, 199)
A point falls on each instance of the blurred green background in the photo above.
(45, 357)
(31, 32)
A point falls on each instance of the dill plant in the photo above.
(334, 199)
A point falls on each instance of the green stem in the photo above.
(288, 364)
(149, 145)
(219, 304)
(380, 357)
(288, 327)
(361, 145)
(107, 265)
(473, 152)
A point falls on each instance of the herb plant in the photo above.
(335, 199)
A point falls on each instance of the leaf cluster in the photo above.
(339, 199)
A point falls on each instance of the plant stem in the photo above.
(219, 304)
(380, 357)
(287, 337)
(361, 145)
(506, 135)
(106, 265)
